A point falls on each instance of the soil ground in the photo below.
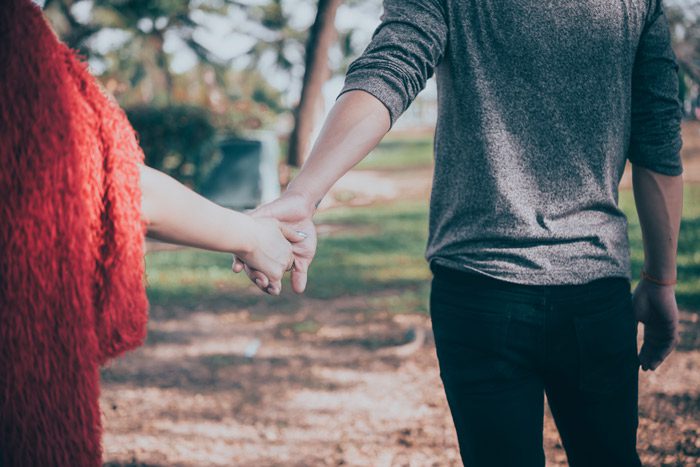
(349, 392)
(325, 384)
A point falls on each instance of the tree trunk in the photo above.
(321, 37)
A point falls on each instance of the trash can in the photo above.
(248, 173)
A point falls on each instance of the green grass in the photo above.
(376, 252)
(396, 152)
(383, 262)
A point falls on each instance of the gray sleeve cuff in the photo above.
(383, 87)
(663, 160)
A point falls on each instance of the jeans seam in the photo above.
(546, 309)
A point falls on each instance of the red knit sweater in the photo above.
(71, 261)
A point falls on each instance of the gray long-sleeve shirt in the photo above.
(540, 104)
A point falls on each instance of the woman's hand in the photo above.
(270, 251)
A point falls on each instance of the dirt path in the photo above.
(327, 386)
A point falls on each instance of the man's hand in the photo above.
(270, 250)
(355, 125)
(655, 306)
(295, 212)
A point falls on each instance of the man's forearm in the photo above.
(659, 200)
(355, 125)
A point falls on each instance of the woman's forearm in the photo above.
(659, 200)
(355, 125)
(176, 214)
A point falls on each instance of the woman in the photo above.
(74, 201)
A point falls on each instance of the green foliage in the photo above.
(136, 66)
(143, 26)
(178, 140)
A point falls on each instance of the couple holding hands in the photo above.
(541, 105)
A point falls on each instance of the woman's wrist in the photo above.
(241, 233)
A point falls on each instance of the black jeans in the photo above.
(502, 346)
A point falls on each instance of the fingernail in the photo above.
(259, 283)
(302, 234)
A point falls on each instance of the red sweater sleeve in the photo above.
(117, 232)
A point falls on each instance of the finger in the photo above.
(275, 288)
(645, 359)
(651, 357)
(651, 364)
(290, 265)
(261, 281)
(292, 235)
(258, 278)
(300, 275)
(648, 358)
(237, 265)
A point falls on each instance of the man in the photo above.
(540, 106)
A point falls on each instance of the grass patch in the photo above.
(192, 278)
(396, 153)
(393, 153)
(385, 264)
(388, 259)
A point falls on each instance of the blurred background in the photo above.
(227, 97)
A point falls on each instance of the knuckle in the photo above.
(276, 276)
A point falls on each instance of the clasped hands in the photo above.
(288, 245)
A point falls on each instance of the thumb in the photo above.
(237, 265)
(292, 235)
(641, 308)
(263, 210)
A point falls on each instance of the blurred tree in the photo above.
(684, 17)
(317, 71)
(144, 35)
(277, 41)
(303, 55)
(178, 140)
(141, 59)
(142, 38)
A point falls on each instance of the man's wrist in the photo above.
(307, 201)
(663, 281)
